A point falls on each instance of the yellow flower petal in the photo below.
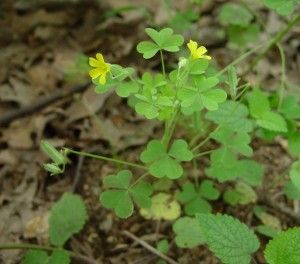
(94, 63)
(95, 73)
(102, 79)
(99, 57)
(201, 50)
(206, 57)
(192, 45)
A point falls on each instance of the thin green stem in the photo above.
(162, 63)
(94, 156)
(283, 75)
(169, 129)
(139, 179)
(16, 246)
(200, 154)
(277, 39)
(204, 141)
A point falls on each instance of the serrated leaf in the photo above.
(272, 121)
(67, 218)
(284, 248)
(163, 206)
(235, 141)
(258, 103)
(188, 232)
(229, 239)
(235, 14)
(290, 108)
(233, 115)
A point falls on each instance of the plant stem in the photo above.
(280, 35)
(16, 246)
(169, 129)
(139, 179)
(90, 155)
(203, 153)
(162, 63)
(283, 75)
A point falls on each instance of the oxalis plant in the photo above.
(220, 116)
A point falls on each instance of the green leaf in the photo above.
(228, 238)
(233, 115)
(284, 248)
(127, 88)
(282, 7)
(148, 49)
(235, 14)
(250, 171)
(41, 257)
(188, 232)
(163, 246)
(235, 141)
(242, 36)
(295, 174)
(258, 103)
(273, 121)
(290, 108)
(197, 67)
(163, 206)
(291, 191)
(241, 194)
(67, 218)
(294, 144)
(194, 198)
(121, 194)
(162, 163)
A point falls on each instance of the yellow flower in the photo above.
(101, 68)
(197, 53)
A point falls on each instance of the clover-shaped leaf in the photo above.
(201, 95)
(121, 195)
(125, 89)
(166, 163)
(163, 206)
(195, 199)
(163, 40)
(235, 141)
(188, 232)
(282, 7)
(41, 257)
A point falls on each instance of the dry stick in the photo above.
(79, 257)
(149, 247)
(40, 104)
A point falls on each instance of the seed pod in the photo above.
(53, 168)
(54, 154)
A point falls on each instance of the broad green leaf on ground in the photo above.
(229, 239)
(266, 231)
(188, 232)
(235, 14)
(291, 191)
(241, 194)
(282, 7)
(166, 163)
(67, 218)
(295, 174)
(163, 246)
(290, 108)
(196, 67)
(41, 257)
(260, 109)
(120, 194)
(284, 248)
(250, 171)
(233, 115)
(235, 141)
(294, 144)
(163, 40)
(195, 199)
(125, 89)
(201, 94)
(163, 206)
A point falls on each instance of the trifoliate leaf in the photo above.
(121, 195)
(163, 40)
(67, 218)
(235, 141)
(233, 115)
(196, 67)
(194, 199)
(163, 206)
(125, 89)
(188, 232)
(201, 95)
(232, 197)
(41, 257)
(235, 14)
(229, 239)
(162, 163)
(284, 248)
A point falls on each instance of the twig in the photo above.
(77, 173)
(149, 247)
(281, 208)
(16, 246)
(40, 104)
